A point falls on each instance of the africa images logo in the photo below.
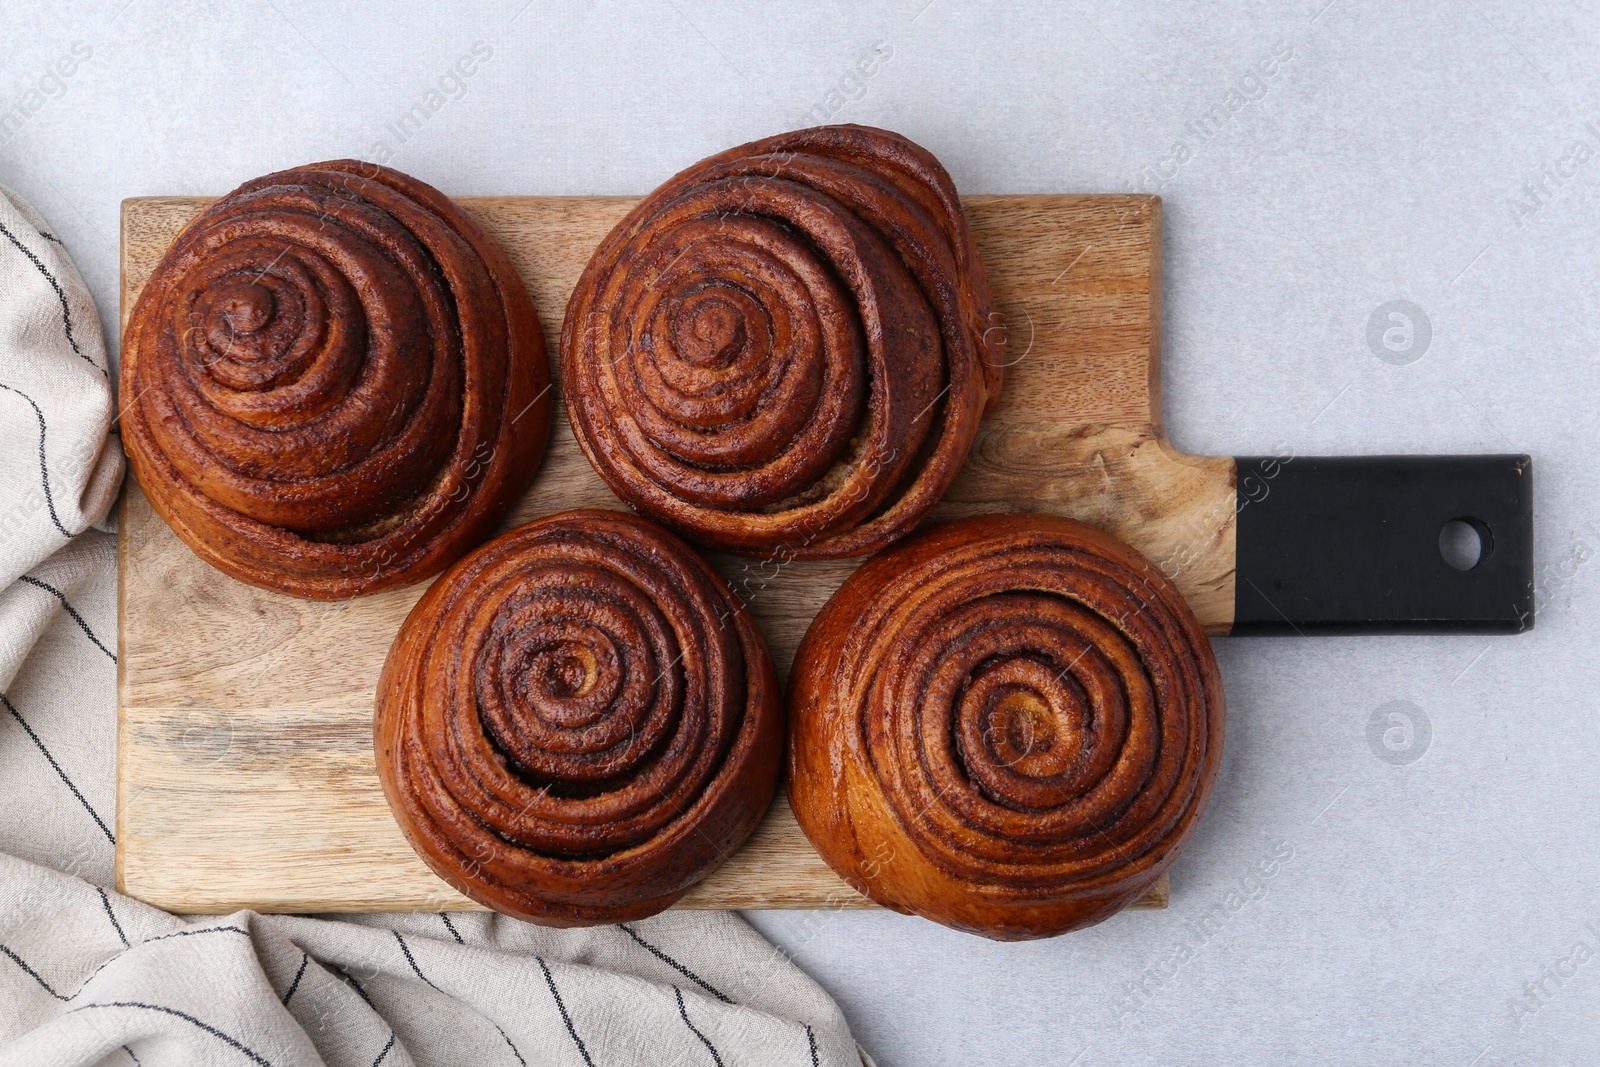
(448, 87)
(1199, 131)
(48, 86)
(1197, 932)
(1536, 192)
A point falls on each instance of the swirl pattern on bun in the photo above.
(1007, 724)
(334, 382)
(578, 721)
(787, 347)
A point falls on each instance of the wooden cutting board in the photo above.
(245, 765)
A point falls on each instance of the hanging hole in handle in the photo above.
(1465, 542)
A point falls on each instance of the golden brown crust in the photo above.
(786, 349)
(578, 721)
(1007, 724)
(334, 382)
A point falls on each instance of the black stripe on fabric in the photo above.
(93, 975)
(511, 1046)
(61, 295)
(193, 933)
(53, 239)
(305, 960)
(674, 964)
(350, 980)
(112, 916)
(811, 1040)
(385, 1051)
(412, 959)
(12, 708)
(186, 1017)
(683, 1013)
(562, 1008)
(448, 925)
(132, 1057)
(72, 611)
(44, 469)
(418, 972)
(35, 975)
(161, 937)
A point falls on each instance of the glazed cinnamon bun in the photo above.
(786, 349)
(334, 382)
(578, 721)
(1007, 724)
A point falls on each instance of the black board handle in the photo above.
(1352, 545)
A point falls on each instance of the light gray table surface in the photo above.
(1430, 904)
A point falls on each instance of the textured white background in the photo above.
(1383, 160)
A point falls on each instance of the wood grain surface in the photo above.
(245, 770)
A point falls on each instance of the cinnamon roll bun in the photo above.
(334, 382)
(1007, 724)
(578, 721)
(786, 349)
